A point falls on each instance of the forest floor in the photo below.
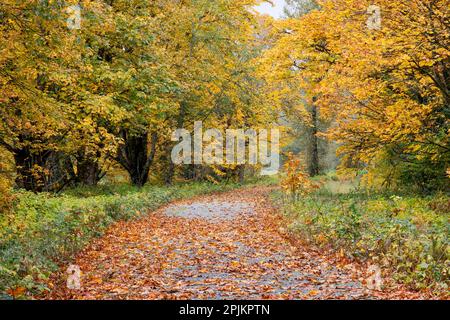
(222, 246)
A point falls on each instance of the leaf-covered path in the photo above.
(226, 246)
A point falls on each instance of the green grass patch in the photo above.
(407, 234)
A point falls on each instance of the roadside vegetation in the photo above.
(373, 112)
(405, 234)
(43, 231)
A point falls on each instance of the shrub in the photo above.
(296, 181)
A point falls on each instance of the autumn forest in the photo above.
(200, 149)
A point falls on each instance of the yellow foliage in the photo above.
(296, 181)
(382, 88)
(5, 180)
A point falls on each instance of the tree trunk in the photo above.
(41, 171)
(241, 173)
(89, 172)
(313, 166)
(135, 157)
(168, 179)
(29, 170)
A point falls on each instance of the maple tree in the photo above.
(76, 101)
(30, 75)
(47, 104)
(386, 90)
(213, 54)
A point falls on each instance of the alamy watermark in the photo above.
(374, 20)
(236, 147)
(73, 277)
(74, 20)
(375, 280)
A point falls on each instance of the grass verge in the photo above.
(406, 235)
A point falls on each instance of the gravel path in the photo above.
(225, 246)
